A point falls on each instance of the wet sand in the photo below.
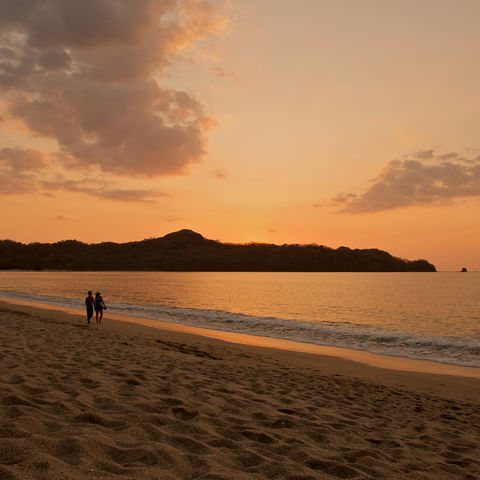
(128, 401)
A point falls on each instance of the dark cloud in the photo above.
(16, 178)
(343, 197)
(448, 156)
(424, 154)
(340, 198)
(18, 159)
(14, 183)
(17, 168)
(136, 128)
(85, 73)
(427, 179)
(62, 183)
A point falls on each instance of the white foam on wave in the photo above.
(448, 350)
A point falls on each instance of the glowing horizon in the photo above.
(316, 122)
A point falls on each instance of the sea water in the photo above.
(428, 316)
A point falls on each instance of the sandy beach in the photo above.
(126, 401)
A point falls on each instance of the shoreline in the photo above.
(388, 362)
(124, 401)
(428, 378)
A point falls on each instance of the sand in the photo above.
(124, 401)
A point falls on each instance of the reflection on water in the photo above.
(423, 315)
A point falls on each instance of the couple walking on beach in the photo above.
(96, 304)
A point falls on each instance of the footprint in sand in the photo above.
(190, 445)
(89, 383)
(260, 437)
(69, 450)
(6, 474)
(184, 414)
(11, 452)
(170, 401)
(98, 420)
(13, 400)
(224, 443)
(333, 468)
(287, 411)
(11, 431)
(131, 456)
(132, 381)
(15, 380)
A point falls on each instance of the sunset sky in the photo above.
(336, 122)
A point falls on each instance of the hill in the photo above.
(186, 250)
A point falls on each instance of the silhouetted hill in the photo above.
(186, 250)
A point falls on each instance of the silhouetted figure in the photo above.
(89, 302)
(464, 269)
(99, 307)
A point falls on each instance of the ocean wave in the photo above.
(448, 350)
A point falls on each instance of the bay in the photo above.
(429, 316)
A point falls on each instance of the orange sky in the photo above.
(339, 123)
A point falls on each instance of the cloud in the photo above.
(135, 129)
(424, 154)
(126, 195)
(101, 190)
(86, 75)
(220, 174)
(343, 197)
(17, 168)
(16, 183)
(448, 156)
(18, 159)
(25, 171)
(427, 179)
(220, 72)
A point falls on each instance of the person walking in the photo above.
(99, 307)
(89, 303)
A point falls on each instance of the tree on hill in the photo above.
(187, 250)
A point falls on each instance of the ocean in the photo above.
(426, 316)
